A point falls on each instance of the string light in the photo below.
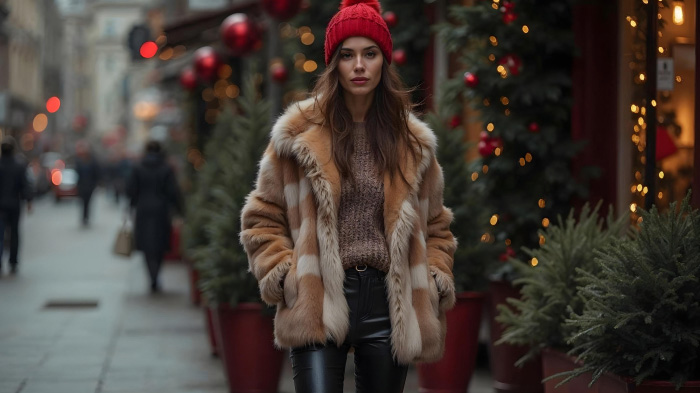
(490, 127)
(522, 161)
(485, 169)
(633, 207)
(528, 157)
(541, 203)
(497, 151)
(505, 100)
(526, 29)
(485, 238)
(494, 40)
(534, 262)
(545, 222)
(475, 176)
(507, 242)
(661, 175)
(542, 240)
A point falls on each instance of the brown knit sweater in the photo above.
(361, 214)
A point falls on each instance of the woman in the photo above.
(153, 191)
(346, 231)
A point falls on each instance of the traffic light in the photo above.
(140, 43)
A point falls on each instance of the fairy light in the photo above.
(485, 169)
(541, 203)
(494, 219)
(661, 174)
(526, 29)
(534, 262)
(492, 57)
(639, 187)
(542, 240)
(490, 127)
(497, 151)
(508, 242)
(638, 175)
(505, 100)
(528, 157)
(522, 161)
(661, 195)
(475, 176)
(642, 77)
(493, 40)
(633, 207)
(486, 237)
(545, 222)
(506, 112)
(486, 102)
(678, 78)
(494, 6)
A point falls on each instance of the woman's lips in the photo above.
(359, 81)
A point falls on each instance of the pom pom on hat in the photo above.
(358, 18)
(372, 3)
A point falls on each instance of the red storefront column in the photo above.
(595, 92)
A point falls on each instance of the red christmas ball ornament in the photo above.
(455, 121)
(509, 17)
(279, 73)
(281, 9)
(507, 7)
(533, 127)
(390, 19)
(188, 79)
(399, 57)
(484, 136)
(485, 148)
(508, 253)
(240, 34)
(470, 80)
(512, 63)
(206, 63)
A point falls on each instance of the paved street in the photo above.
(77, 319)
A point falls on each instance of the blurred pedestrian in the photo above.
(346, 231)
(88, 177)
(155, 194)
(14, 187)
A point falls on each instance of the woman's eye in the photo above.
(345, 56)
(371, 54)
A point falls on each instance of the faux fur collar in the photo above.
(294, 135)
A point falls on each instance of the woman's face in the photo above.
(360, 66)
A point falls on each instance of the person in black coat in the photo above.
(14, 187)
(88, 177)
(154, 193)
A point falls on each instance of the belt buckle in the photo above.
(361, 270)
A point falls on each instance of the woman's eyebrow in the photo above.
(367, 48)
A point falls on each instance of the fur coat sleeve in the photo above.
(265, 232)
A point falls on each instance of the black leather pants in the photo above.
(320, 369)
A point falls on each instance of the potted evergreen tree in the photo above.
(639, 330)
(517, 64)
(244, 324)
(550, 290)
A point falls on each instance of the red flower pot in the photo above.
(506, 376)
(452, 373)
(554, 362)
(246, 341)
(195, 293)
(211, 331)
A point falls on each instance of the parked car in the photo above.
(64, 183)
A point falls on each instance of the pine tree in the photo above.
(550, 289)
(232, 157)
(473, 258)
(517, 60)
(642, 313)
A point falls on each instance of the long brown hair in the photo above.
(386, 123)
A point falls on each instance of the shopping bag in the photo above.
(124, 243)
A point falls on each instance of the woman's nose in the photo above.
(359, 64)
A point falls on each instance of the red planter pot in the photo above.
(554, 362)
(452, 373)
(211, 331)
(246, 347)
(195, 293)
(508, 378)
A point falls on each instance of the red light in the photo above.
(52, 104)
(56, 177)
(148, 49)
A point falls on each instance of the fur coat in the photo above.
(289, 230)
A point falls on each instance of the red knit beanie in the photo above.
(358, 18)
